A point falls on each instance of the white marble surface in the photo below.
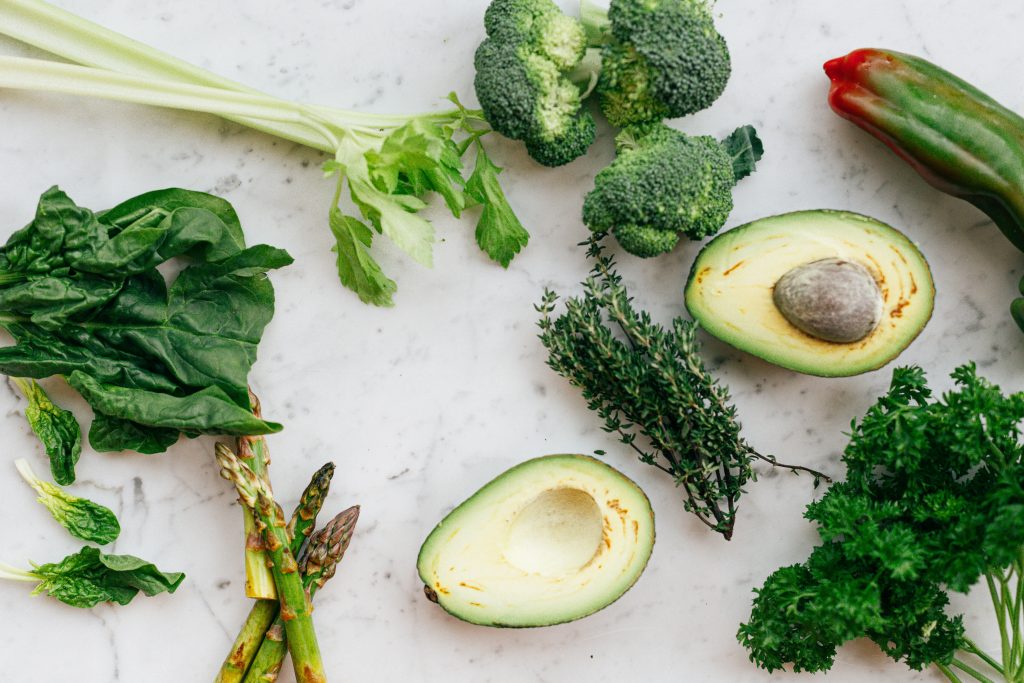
(421, 404)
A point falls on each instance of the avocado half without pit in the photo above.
(551, 540)
(827, 293)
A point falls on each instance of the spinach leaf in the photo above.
(82, 518)
(90, 577)
(56, 428)
(81, 294)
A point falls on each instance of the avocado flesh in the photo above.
(551, 540)
(729, 291)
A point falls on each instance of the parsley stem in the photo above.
(997, 605)
(972, 647)
(974, 673)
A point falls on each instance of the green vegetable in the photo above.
(956, 137)
(651, 388)
(326, 549)
(253, 450)
(499, 231)
(389, 162)
(90, 577)
(524, 79)
(263, 612)
(932, 503)
(81, 294)
(660, 59)
(664, 182)
(82, 518)
(296, 609)
(56, 428)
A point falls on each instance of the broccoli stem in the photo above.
(595, 23)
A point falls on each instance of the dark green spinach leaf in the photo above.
(56, 428)
(82, 296)
(90, 577)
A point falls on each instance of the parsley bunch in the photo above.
(932, 502)
(651, 388)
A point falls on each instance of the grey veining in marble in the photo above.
(421, 404)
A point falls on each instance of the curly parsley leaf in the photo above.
(932, 503)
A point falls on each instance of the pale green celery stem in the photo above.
(67, 35)
(14, 574)
(38, 74)
(77, 39)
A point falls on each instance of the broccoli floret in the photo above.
(661, 59)
(522, 79)
(664, 182)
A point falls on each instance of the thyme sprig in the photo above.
(650, 386)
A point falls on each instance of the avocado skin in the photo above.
(809, 365)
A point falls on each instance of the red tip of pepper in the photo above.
(849, 74)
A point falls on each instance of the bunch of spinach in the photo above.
(933, 502)
(82, 296)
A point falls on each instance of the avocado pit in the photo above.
(832, 299)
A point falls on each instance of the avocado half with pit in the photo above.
(551, 540)
(827, 293)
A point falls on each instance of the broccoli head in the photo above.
(664, 182)
(661, 59)
(522, 79)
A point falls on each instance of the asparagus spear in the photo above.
(263, 612)
(326, 549)
(295, 607)
(259, 583)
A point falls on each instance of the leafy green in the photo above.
(56, 428)
(391, 161)
(388, 184)
(745, 148)
(650, 387)
(356, 268)
(90, 577)
(82, 518)
(932, 502)
(81, 294)
(498, 232)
